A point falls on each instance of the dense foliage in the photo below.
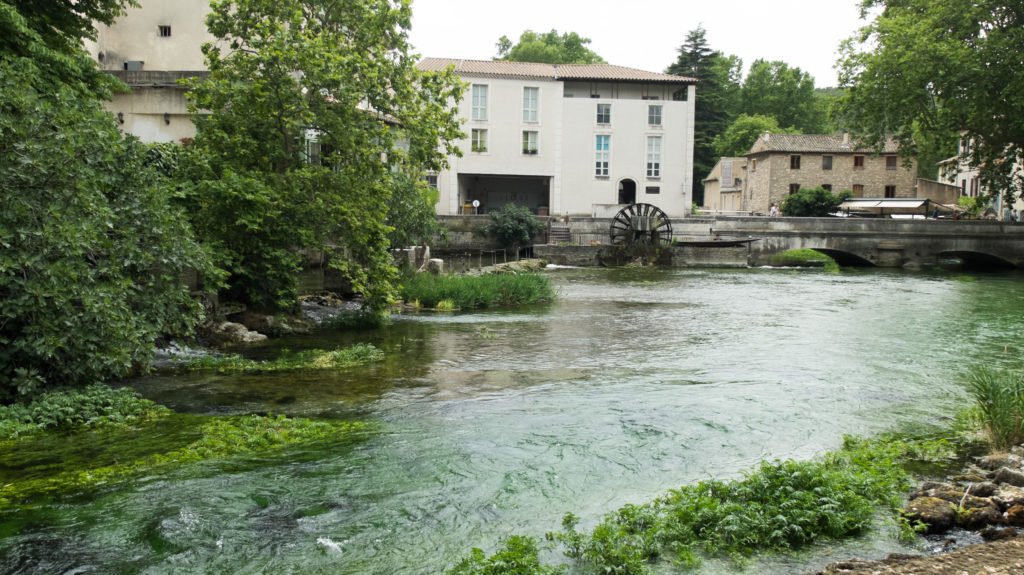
(518, 556)
(308, 101)
(92, 254)
(928, 71)
(738, 138)
(411, 214)
(786, 94)
(95, 405)
(549, 48)
(813, 203)
(476, 292)
(512, 226)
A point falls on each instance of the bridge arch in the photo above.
(846, 259)
(976, 259)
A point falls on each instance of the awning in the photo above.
(855, 204)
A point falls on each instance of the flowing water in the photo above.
(493, 423)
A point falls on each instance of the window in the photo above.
(602, 152)
(654, 115)
(479, 102)
(530, 143)
(858, 162)
(531, 99)
(431, 180)
(826, 162)
(479, 141)
(653, 156)
(858, 190)
(890, 191)
(794, 162)
(827, 187)
(794, 188)
(604, 113)
(753, 165)
(165, 31)
(890, 163)
(652, 189)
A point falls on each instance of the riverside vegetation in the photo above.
(779, 506)
(450, 291)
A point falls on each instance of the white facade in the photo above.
(150, 48)
(957, 171)
(569, 140)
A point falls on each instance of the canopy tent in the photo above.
(883, 207)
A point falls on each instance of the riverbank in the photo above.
(994, 558)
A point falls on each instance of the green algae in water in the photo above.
(805, 257)
(341, 358)
(34, 471)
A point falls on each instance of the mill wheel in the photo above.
(641, 224)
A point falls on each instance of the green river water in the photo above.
(493, 423)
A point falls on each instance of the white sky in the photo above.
(645, 34)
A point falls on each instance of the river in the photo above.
(500, 422)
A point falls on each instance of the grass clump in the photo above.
(478, 292)
(92, 406)
(352, 356)
(805, 258)
(999, 399)
(219, 437)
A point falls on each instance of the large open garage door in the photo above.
(493, 192)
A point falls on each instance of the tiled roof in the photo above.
(529, 70)
(815, 143)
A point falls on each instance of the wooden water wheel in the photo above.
(641, 224)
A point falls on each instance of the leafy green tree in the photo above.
(934, 70)
(298, 127)
(548, 48)
(50, 34)
(91, 253)
(512, 226)
(741, 135)
(411, 213)
(717, 97)
(787, 94)
(813, 203)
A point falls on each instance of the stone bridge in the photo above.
(870, 241)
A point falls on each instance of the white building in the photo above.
(569, 139)
(150, 48)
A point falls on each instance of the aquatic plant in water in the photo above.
(477, 292)
(352, 356)
(219, 437)
(999, 398)
(805, 257)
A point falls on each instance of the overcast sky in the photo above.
(646, 34)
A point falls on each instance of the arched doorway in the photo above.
(627, 192)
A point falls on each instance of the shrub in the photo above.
(999, 395)
(475, 292)
(813, 202)
(92, 406)
(513, 226)
(92, 254)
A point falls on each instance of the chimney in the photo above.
(846, 139)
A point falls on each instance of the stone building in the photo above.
(780, 164)
(577, 140)
(723, 187)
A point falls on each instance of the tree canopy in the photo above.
(744, 131)
(92, 253)
(309, 109)
(813, 202)
(548, 48)
(922, 71)
(717, 95)
(784, 93)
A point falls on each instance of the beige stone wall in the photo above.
(770, 181)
